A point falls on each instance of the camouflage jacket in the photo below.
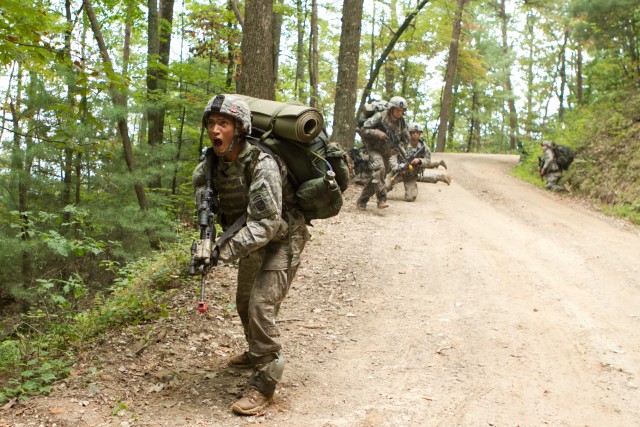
(380, 122)
(257, 184)
(550, 166)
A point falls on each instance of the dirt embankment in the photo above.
(486, 302)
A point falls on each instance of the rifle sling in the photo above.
(229, 232)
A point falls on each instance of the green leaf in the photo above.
(30, 385)
(28, 373)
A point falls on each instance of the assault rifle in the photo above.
(394, 139)
(540, 166)
(407, 166)
(203, 254)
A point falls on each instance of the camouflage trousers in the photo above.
(410, 186)
(377, 185)
(431, 179)
(264, 278)
(552, 182)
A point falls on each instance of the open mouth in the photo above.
(217, 143)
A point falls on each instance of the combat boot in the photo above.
(382, 204)
(252, 402)
(445, 178)
(240, 361)
(362, 206)
(442, 163)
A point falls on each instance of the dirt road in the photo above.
(488, 302)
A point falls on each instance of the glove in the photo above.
(215, 254)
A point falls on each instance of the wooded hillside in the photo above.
(102, 104)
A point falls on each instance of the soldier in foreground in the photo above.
(254, 196)
(383, 135)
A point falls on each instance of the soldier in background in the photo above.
(549, 169)
(380, 133)
(409, 174)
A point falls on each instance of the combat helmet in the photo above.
(231, 106)
(415, 127)
(398, 102)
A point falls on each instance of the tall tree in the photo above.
(346, 88)
(277, 33)
(452, 63)
(313, 55)
(506, 50)
(301, 15)
(257, 75)
(116, 89)
(158, 50)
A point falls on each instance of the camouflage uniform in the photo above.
(411, 177)
(550, 170)
(430, 164)
(268, 248)
(382, 153)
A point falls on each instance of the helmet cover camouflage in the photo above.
(231, 106)
(415, 127)
(398, 102)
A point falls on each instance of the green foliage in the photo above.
(606, 139)
(9, 354)
(40, 347)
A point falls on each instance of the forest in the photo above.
(102, 109)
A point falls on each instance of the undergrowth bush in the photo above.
(40, 348)
(606, 140)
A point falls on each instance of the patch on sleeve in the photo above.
(261, 201)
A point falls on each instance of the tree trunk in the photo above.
(530, 37)
(313, 55)
(383, 56)
(579, 83)
(257, 75)
(563, 75)
(344, 117)
(21, 171)
(277, 32)
(119, 101)
(158, 51)
(153, 117)
(513, 118)
(452, 63)
(231, 60)
(474, 128)
(67, 177)
(301, 14)
(452, 117)
(390, 77)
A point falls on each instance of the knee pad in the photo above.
(266, 376)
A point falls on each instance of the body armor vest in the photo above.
(231, 182)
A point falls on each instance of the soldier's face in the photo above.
(220, 129)
(415, 135)
(396, 113)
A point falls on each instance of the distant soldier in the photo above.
(420, 156)
(549, 168)
(383, 134)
